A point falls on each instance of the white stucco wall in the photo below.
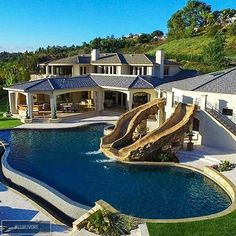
(214, 134)
(218, 100)
(76, 70)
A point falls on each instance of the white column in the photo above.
(100, 100)
(129, 100)
(29, 102)
(11, 102)
(47, 70)
(52, 70)
(53, 105)
(203, 102)
(169, 104)
(134, 70)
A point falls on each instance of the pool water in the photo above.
(70, 162)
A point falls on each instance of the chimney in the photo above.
(160, 56)
(95, 54)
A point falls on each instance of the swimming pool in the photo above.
(70, 161)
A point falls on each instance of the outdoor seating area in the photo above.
(82, 106)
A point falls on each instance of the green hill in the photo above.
(186, 50)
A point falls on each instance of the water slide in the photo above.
(128, 122)
(169, 132)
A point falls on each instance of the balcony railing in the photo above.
(224, 120)
(42, 76)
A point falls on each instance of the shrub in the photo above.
(213, 30)
(232, 29)
(107, 223)
(225, 166)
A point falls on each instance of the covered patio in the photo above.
(54, 98)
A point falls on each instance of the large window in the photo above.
(138, 70)
(83, 70)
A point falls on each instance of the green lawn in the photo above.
(222, 226)
(7, 123)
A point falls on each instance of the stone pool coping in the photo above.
(76, 210)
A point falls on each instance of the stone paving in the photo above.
(73, 122)
(206, 156)
(14, 206)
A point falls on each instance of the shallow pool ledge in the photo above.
(64, 204)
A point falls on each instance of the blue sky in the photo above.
(29, 24)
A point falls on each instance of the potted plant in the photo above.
(27, 118)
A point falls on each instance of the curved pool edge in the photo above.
(75, 210)
(210, 173)
(61, 202)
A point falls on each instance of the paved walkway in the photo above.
(14, 206)
(71, 122)
(206, 156)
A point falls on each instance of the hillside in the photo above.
(186, 49)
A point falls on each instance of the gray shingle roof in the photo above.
(225, 83)
(25, 85)
(118, 81)
(67, 60)
(56, 83)
(110, 58)
(87, 81)
(218, 82)
(137, 59)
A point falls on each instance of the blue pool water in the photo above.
(69, 161)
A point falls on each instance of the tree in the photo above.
(214, 53)
(157, 33)
(185, 22)
(176, 28)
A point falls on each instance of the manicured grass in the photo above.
(222, 226)
(6, 123)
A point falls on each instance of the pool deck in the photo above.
(207, 156)
(73, 122)
(14, 205)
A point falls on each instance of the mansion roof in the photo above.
(109, 58)
(190, 80)
(217, 82)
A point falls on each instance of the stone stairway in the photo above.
(224, 120)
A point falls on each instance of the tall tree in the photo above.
(186, 21)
